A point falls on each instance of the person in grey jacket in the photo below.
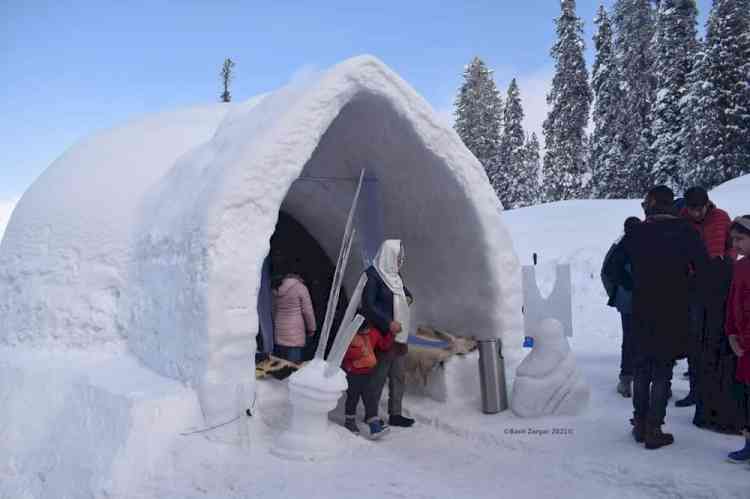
(621, 297)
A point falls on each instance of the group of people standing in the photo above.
(376, 353)
(677, 282)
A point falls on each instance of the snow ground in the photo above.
(456, 451)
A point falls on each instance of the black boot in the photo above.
(399, 420)
(687, 401)
(639, 429)
(655, 438)
(624, 386)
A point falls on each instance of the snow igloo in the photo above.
(146, 241)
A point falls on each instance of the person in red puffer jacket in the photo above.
(712, 223)
(738, 325)
(359, 363)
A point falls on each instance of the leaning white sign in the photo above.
(558, 305)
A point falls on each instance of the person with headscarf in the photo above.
(385, 304)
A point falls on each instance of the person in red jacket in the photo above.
(359, 363)
(738, 325)
(712, 223)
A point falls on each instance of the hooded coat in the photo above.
(292, 312)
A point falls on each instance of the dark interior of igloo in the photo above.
(295, 251)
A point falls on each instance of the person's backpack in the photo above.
(366, 359)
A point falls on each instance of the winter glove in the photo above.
(400, 349)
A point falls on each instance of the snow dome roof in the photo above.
(154, 233)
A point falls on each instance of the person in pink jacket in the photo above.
(293, 316)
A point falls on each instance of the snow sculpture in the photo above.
(547, 381)
(312, 395)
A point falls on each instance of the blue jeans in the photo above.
(292, 354)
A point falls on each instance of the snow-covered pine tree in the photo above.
(633, 23)
(569, 100)
(587, 185)
(478, 114)
(722, 92)
(674, 49)
(608, 179)
(531, 189)
(510, 161)
(226, 79)
(701, 131)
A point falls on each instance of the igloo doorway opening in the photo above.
(294, 250)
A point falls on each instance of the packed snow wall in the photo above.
(66, 252)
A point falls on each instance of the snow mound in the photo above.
(79, 423)
(733, 196)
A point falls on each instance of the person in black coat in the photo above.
(621, 297)
(662, 251)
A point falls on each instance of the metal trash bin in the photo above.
(492, 377)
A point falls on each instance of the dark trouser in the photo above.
(292, 354)
(360, 386)
(390, 367)
(651, 389)
(697, 316)
(628, 348)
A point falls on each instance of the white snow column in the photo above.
(65, 255)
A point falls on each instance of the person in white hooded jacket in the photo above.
(385, 304)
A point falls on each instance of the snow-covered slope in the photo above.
(580, 233)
